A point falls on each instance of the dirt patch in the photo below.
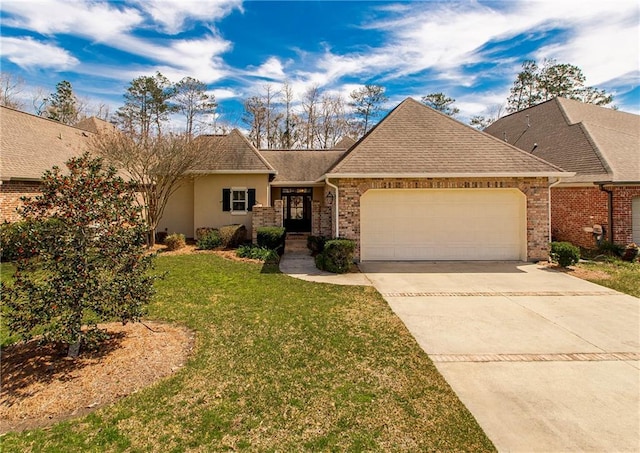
(577, 271)
(40, 386)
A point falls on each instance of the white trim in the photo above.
(451, 175)
(297, 184)
(246, 200)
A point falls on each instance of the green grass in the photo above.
(622, 276)
(280, 365)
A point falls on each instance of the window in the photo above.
(239, 200)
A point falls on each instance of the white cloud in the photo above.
(95, 20)
(270, 69)
(172, 14)
(29, 53)
(224, 93)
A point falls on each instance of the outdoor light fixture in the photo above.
(329, 198)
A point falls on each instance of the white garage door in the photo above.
(449, 224)
(635, 212)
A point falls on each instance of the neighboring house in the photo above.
(602, 146)
(30, 145)
(418, 186)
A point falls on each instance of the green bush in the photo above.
(271, 238)
(257, 253)
(337, 256)
(609, 248)
(564, 253)
(209, 240)
(316, 244)
(175, 241)
(20, 239)
(232, 235)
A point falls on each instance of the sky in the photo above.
(469, 50)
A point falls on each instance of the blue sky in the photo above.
(470, 50)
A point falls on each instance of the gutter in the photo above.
(337, 198)
(610, 211)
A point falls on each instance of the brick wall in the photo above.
(10, 193)
(535, 190)
(575, 208)
(321, 224)
(266, 216)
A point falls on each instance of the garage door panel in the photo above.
(454, 224)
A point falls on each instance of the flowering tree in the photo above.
(86, 261)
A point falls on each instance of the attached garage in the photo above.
(448, 224)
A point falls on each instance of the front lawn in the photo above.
(280, 365)
(615, 274)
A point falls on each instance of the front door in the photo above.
(297, 209)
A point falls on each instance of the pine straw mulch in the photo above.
(41, 386)
(577, 271)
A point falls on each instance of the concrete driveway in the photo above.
(544, 361)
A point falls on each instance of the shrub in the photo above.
(564, 253)
(257, 253)
(337, 256)
(232, 235)
(609, 248)
(630, 252)
(210, 240)
(161, 236)
(316, 244)
(201, 232)
(175, 241)
(92, 264)
(271, 238)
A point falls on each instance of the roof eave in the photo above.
(231, 172)
(453, 175)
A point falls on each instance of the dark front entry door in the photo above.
(297, 209)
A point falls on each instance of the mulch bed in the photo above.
(41, 386)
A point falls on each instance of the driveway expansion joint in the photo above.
(568, 357)
(500, 293)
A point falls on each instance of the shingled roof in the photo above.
(30, 144)
(231, 153)
(416, 140)
(301, 166)
(598, 143)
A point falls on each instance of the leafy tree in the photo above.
(10, 88)
(157, 164)
(146, 105)
(367, 103)
(90, 264)
(63, 104)
(191, 99)
(535, 84)
(442, 103)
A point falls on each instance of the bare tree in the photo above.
(332, 121)
(255, 116)
(158, 165)
(272, 116)
(310, 107)
(39, 101)
(289, 132)
(11, 86)
(494, 112)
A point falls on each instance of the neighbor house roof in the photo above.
(231, 153)
(30, 144)
(599, 144)
(416, 140)
(301, 166)
(94, 125)
(344, 143)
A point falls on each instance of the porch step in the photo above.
(296, 243)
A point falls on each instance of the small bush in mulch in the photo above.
(175, 241)
(564, 253)
(272, 238)
(258, 253)
(210, 240)
(316, 244)
(232, 235)
(337, 256)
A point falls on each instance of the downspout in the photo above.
(610, 211)
(337, 205)
(553, 184)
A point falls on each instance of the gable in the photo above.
(416, 140)
(231, 153)
(598, 143)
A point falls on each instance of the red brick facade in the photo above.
(575, 208)
(10, 194)
(535, 189)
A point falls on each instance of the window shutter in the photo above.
(226, 199)
(252, 199)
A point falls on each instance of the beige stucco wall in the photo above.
(207, 199)
(178, 214)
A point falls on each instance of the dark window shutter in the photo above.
(226, 199)
(252, 199)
